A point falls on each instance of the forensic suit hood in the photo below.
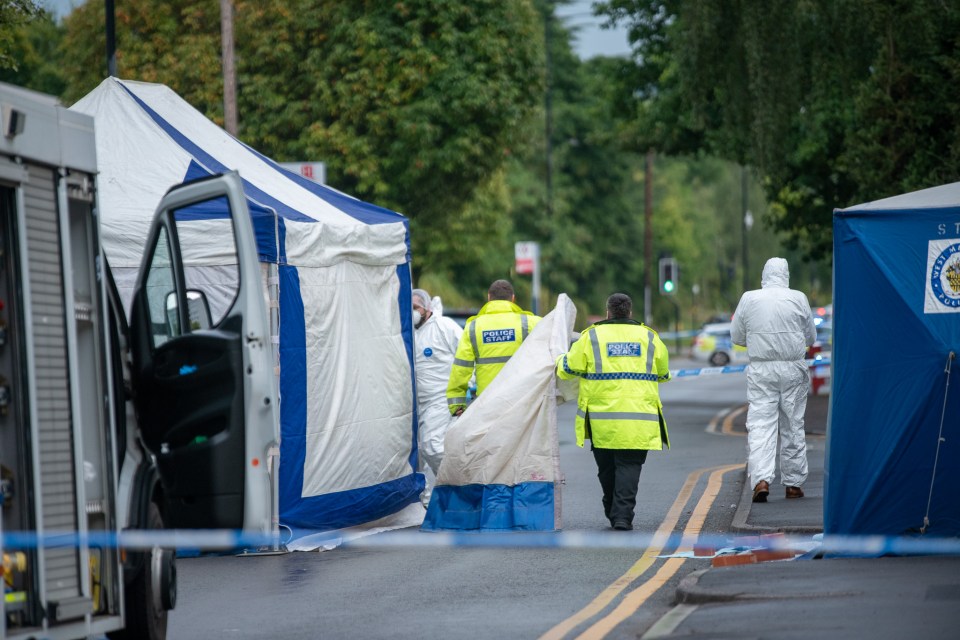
(776, 273)
(778, 319)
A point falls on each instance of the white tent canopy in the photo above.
(341, 268)
(947, 195)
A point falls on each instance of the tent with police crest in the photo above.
(339, 269)
(893, 447)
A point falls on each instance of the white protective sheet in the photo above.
(508, 436)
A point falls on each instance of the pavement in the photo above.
(804, 516)
(812, 596)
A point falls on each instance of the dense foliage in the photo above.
(414, 105)
(13, 15)
(34, 61)
(833, 102)
(440, 110)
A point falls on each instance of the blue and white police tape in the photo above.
(220, 540)
(671, 335)
(831, 544)
(737, 368)
(138, 539)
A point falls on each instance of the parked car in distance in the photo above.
(714, 345)
(823, 315)
(824, 343)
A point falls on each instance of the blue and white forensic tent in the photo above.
(501, 463)
(893, 447)
(340, 268)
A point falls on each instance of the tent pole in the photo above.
(936, 459)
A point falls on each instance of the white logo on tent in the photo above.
(943, 277)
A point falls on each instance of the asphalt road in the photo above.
(448, 592)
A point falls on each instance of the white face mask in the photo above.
(416, 318)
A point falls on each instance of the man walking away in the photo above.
(620, 363)
(776, 326)
(488, 341)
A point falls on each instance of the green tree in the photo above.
(833, 101)
(34, 55)
(592, 233)
(13, 14)
(413, 105)
(463, 253)
(586, 227)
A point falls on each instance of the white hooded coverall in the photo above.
(776, 326)
(436, 343)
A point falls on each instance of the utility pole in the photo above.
(548, 110)
(229, 72)
(111, 39)
(648, 239)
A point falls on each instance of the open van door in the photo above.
(203, 362)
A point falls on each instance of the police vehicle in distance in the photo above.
(714, 345)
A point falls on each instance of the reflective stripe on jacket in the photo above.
(620, 364)
(488, 341)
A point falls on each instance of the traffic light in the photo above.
(668, 276)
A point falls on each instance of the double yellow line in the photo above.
(635, 599)
(728, 416)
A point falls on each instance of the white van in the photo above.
(105, 427)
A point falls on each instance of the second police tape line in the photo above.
(239, 542)
(738, 368)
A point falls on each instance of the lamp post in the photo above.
(747, 223)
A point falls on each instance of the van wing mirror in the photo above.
(198, 310)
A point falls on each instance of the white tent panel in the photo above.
(347, 323)
(315, 244)
(341, 266)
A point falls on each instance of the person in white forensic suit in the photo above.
(436, 339)
(776, 326)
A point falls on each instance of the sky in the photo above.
(590, 41)
(59, 7)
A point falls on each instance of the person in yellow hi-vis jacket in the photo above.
(620, 363)
(489, 339)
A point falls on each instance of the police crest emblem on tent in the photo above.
(943, 277)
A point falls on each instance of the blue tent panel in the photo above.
(889, 398)
(339, 510)
(491, 507)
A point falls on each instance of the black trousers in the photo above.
(619, 473)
